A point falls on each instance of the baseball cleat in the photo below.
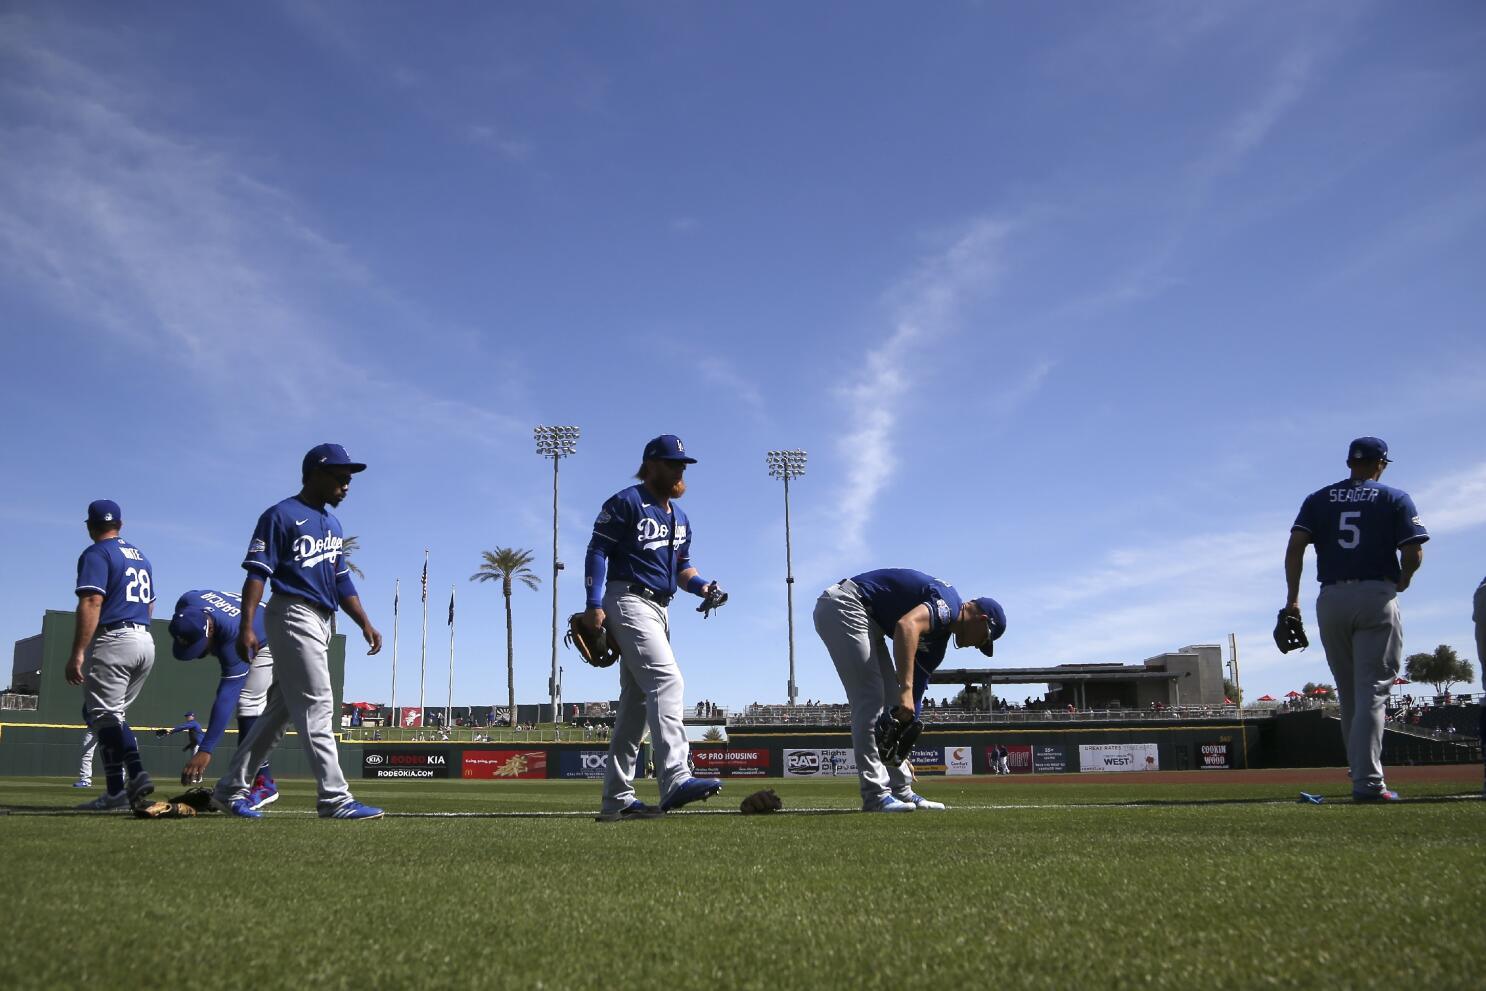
(106, 803)
(236, 807)
(139, 787)
(691, 790)
(351, 810)
(921, 802)
(634, 810)
(888, 803)
(83, 783)
(264, 792)
(1376, 796)
(1306, 796)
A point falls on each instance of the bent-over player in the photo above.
(207, 622)
(853, 618)
(297, 544)
(1478, 616)
(112, 650)
(1369, 542)
(640, 551)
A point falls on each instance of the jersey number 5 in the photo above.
(138, 589)
(1351, 535)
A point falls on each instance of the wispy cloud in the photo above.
(166, 243)
(721, 373)
(925, 307)
(1456, 502)
(510, 146)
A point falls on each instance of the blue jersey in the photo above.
(641, 542)
(118, 571)
(299, 547)
(1357, 527)
(192, 728)
(225, 609)
(892, 593)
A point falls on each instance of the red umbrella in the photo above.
(363, 706)
(1320, 691)
(1402, 681)
(1294, 695)
(1266, 698)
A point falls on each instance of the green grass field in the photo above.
(1192, 884)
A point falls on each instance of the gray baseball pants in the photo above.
(650, 693)
(85, 757)
(1362, 633)
(859, 651)
(114, 671)
(302, 694)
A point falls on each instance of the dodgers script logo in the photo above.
(653, 533)
(309, 551)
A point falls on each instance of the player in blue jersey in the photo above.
(1369, 542)
(191, 728)
(297, 545)
(112, 650)
(920, 613)
(205, 623)
(639, 553)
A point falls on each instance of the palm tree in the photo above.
(506, 564)
(350, 546)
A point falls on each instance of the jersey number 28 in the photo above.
(138, 589)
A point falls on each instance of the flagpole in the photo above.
(449, 701)
(396, 598)
(423, 656)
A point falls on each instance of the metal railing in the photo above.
(17, 702)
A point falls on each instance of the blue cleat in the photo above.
(264, 792)
(83, 783)
(238, 808)
(139, 787)
(634, 810)
(1376, 796)
(920, 802)
(691, 790)
(1306, 796)
(106, 803)
(352, 810)
(888, 803)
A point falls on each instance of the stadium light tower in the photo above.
(555, 443)
(787, 465)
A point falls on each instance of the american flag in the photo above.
(451, 607)
(396, 595)
(425, 576)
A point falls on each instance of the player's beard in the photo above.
(679, 489)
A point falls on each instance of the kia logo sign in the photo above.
(374, 759)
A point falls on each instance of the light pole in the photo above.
(787, 465)
(555, 443)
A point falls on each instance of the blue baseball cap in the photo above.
(188, 634)
(104, 511)
(1368, 449)
(667, 447)
(331, 456)
(995, 619)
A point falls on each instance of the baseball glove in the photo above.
(164, 810)
(197, 799)
(713, 598)
(760, 803)
(1289, 633)
(601, 651)
(895, 737)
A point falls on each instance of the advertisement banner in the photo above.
(505, 763)
(720, 762)
(580, 763)
(401, 763)
(927, 760)
(1215, 757)
(1110, 757)
(1048, 760)
(819, 763)
(957, 760)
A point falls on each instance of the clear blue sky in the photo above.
(1071, 304)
